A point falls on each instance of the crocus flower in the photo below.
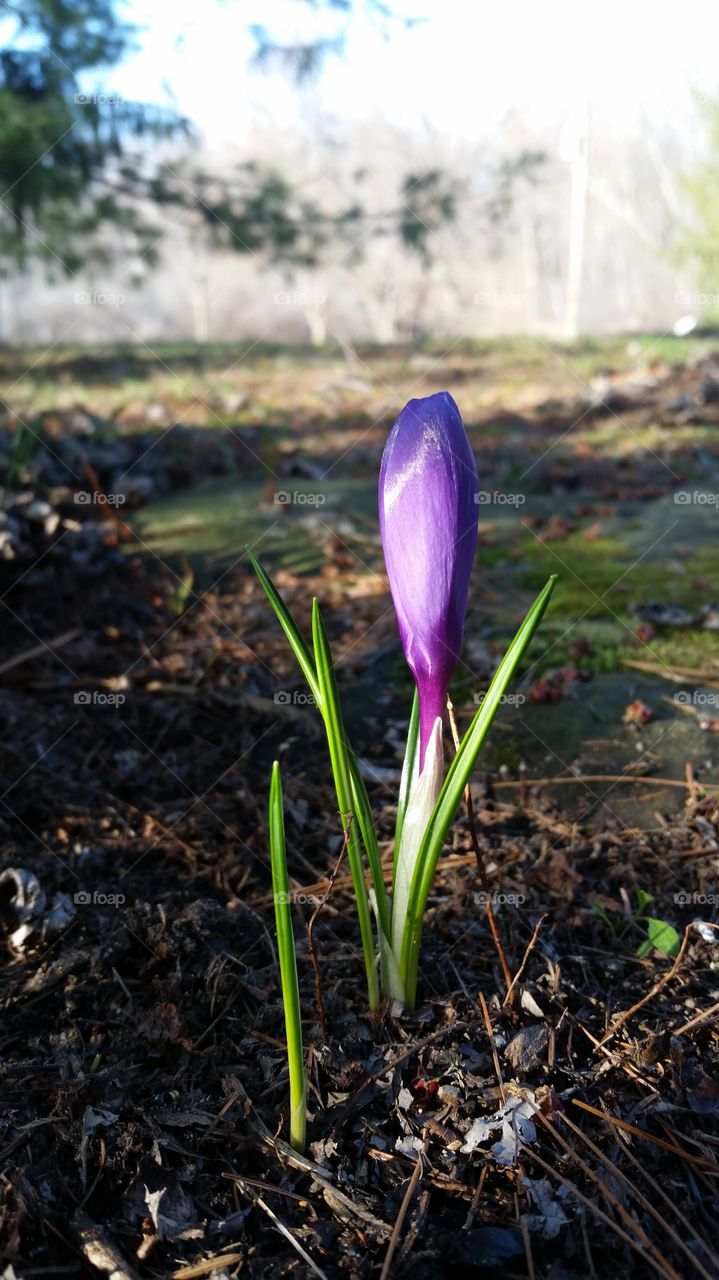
(428, 521)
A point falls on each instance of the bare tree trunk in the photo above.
(579, 178)
(316, 320)
(383, 317)
(200, 292)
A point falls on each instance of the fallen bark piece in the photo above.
(99, 1249)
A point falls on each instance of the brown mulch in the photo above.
(144, 1083)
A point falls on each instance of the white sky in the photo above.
(458, 71)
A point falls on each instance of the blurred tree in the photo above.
(74, 190)
(257, 208)
(84, 177)
(65, 172)
(303, 58)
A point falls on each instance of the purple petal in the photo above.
(428, 522)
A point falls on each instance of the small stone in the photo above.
(528, 1048)
(38, 511)
(7, 547)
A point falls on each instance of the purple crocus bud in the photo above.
(428, 522)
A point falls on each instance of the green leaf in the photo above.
(288, 964)
(289, 626)
(605, 916)
(339, 757)
(643, 899)
(406, 779)
(360, 805)
(451, 794)
(661, 936)
(180, 596)
(361, 809)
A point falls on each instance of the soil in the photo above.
(565, 1126)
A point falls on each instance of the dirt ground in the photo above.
(551, 1108)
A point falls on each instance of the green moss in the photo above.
(687, 648)
(500, 750)
(587, 570)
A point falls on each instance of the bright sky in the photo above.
(458, 71)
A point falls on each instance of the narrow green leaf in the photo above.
(179, 599)
(605, 916)
(361, 807)
(288, 964)
(289, 626)
(339, 757)
(451, 794)
(360, 800)
(406, 779)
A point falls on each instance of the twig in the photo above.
(654, 1258)
(613, 1056)
(310, 931)
(493, 1047)
(339, 1202)
(397, 1228)
(99, 1250)
(600, 777)
(27, 654)
(523, 965)
(207, 1265)
(283, 1230)
(675, 674)
(666, 1199)
(262, 1185)
(526, 1241)
(703, 1173)
(642, 1133)
(693, 787)
(639, 1196)
(476, 1198)
(124, 532)
(689, 1026)
(658, 985)
(478, 855)
(590, 1204)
